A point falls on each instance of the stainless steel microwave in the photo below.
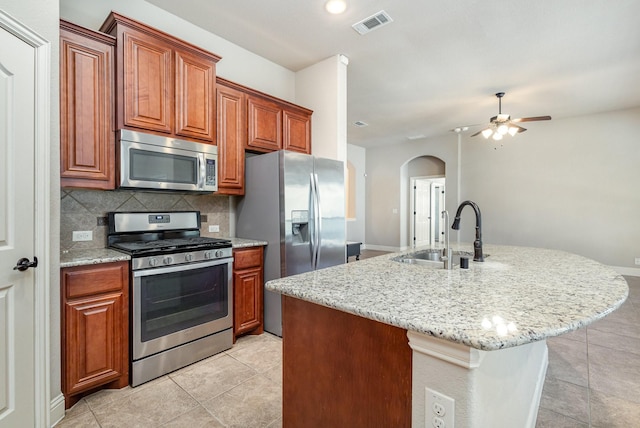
(150, 161)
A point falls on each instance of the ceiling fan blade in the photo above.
(531, 119)
(520, 128)
(479, 132)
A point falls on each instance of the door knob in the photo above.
(24, 264)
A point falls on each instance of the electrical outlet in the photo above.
(638, 260)
(438, 422)
(439, 409)
(82, 235)
(214, 228)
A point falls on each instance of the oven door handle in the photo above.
(180, 268)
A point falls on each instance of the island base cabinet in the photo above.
(95, 349)
(343, 370)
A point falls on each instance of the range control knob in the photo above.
(153, 261)
(188, 257)
(208, 254)
(167, 260)
(219, 253)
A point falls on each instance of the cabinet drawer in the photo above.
(243, 259)
(89, 280)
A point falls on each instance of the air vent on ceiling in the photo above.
(360, 123)
(374, 21)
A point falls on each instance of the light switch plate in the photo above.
(214, 228)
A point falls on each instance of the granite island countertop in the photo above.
(518, 295)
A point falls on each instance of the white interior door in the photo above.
(422, 212)
(17, 193)
(438, 226)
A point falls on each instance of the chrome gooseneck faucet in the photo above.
(477, 244)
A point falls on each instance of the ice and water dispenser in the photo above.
(300, 226)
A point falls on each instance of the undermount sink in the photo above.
(432, 258)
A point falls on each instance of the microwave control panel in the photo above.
(211, 172)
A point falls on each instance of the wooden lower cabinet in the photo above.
(342, 370)
(248, 294)
(95, 328)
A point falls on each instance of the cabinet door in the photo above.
(247, 300)
(95, 328)
(264, 125)
(297, 132)
(195, 96)
(87, 147)
(231, 131)
(94, 343)
(147, 85)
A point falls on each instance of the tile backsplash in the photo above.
(87, 209)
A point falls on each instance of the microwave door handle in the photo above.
(201, 171)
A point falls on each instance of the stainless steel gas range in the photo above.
(181, 290)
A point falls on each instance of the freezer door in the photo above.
(296, 215)
(331, 210)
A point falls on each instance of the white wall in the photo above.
(322, 88)
(568, 184)
(356, 227)
(387, 189)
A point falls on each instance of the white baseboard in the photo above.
(626, 270)
(56, 409)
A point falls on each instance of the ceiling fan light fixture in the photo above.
(503, 129)
(487, 133)
(497, 136)
(335, 6)
(513, 130)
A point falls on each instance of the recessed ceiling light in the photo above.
(335, 6)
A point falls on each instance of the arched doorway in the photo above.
(421, 210)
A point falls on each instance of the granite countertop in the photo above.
(106, 255)
(517, 296)
(244, 242)
(91, 257)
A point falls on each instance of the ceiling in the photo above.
(438, 65)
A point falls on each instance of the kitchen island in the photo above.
(476, 335)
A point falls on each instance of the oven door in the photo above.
(178, 304)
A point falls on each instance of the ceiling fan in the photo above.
(502, 124)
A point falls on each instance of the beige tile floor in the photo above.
(593, 380)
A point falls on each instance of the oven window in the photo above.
(167, 168)
(176, 301)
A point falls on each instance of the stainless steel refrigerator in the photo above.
(296, 203)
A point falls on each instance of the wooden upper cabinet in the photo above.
(165, 85)
(296, 131)
(274, 125)
(87, 147)
(147, 89)
(195, 108)
(265, 125)
(231, 136)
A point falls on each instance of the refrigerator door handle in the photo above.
(318, 221)
(313, 235)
